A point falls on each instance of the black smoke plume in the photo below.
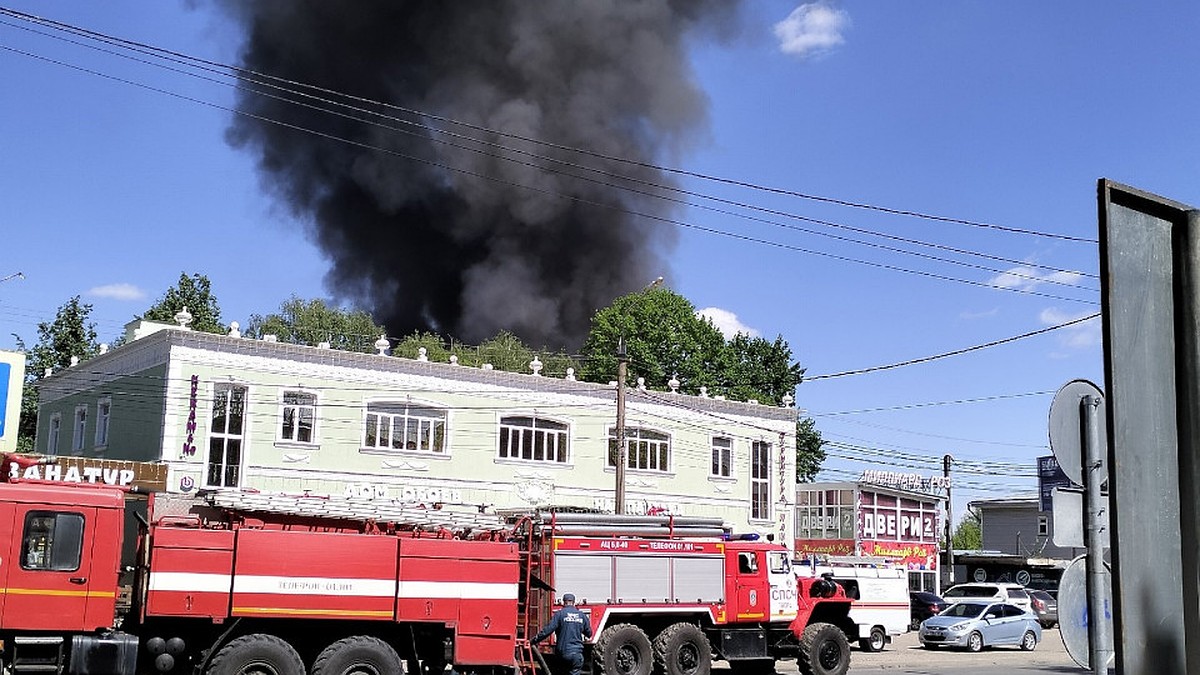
(433, 235)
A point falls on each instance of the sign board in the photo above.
(1066, 428)
(905, 481)
(1070, 519)
(1050, 476)
(12, 381)
(148, 475)
(1073, 611)
(1149, 267)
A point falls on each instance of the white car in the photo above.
(989, 592)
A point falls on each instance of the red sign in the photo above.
(806, 547)
(912, 555)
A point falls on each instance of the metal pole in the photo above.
(949, 525)
(1099, 634)
(622, 450)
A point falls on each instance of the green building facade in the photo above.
(236, 413)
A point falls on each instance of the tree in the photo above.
(506, 352)
(195, 293)
(71, 334)
(760, 370)
(311, 322)
(968, 536)
(663, 339)
(810, 453)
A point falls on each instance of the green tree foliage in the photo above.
(663, 339)
(810, 452)
(70, 334)
(968, 536)
(410, 346)
(195, 293)
(311, 322)
(757, 369)
(506, 352)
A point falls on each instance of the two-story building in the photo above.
(1017, 543)
(883, 516)
(223, 411)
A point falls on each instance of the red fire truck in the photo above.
(102, 580)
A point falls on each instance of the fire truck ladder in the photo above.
(455, 518)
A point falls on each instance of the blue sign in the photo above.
(1050, 476)
(5, 375)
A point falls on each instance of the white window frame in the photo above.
(717, 468)
(636, 446)
(226, 437)
(545, 436)
(1043, 526)
(285, 406)
(376, 437)
(79, 427)
(103, 417)
(54, 434)
(760, 481)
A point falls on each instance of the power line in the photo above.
(956, 352)
(183, 59)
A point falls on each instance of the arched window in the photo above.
(527, 437)
(405, 426)
(648, 449)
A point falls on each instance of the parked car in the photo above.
(989, 592)
(922, 605)
(975, 625)
(1046, 608)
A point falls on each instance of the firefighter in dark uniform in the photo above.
(570, 626)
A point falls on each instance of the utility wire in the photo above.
(550, 192)
(925, 359)
(187, 60)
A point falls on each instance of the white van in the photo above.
(880, 609)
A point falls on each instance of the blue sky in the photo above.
(1002, 114)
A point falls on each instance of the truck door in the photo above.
(753, 592)
(47, 568)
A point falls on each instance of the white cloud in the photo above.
(985, 314)
(1079, 336)
(727, 322)
(811, 29)
(117, 292)
(1027, 278)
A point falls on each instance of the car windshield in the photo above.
(970, 592)
(967, 610)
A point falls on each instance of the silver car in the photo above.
(975, 625)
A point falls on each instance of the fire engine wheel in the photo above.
(624, 649)
(824, 650)
(358, 655)
(683, 649)
(875, 642)
(256, 655)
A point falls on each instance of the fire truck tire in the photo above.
(824, 650)
(682, 649)
(256, 654)
(624, 649)
(358, 655)
(875, 642)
